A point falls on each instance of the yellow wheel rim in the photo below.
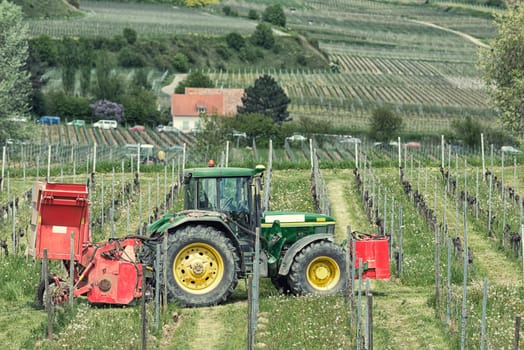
(198, 268)
(323, 273)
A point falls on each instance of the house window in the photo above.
(197, 125)
(185, 125)
(201, 110)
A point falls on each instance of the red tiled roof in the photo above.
(216, 101)
(187, 105)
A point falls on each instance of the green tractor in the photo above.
(211, 243)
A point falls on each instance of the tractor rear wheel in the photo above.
(58, 295)
(319, 268)
(202, 266)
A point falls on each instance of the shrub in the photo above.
(274, 14)
(235, 41)
(253, 14)
(384, 124)
(105, 109)
(129, 58)
(263, 36)
(130, 35)
(181, 62)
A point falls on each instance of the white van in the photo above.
(105, 124)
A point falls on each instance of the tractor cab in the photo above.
(231, 191)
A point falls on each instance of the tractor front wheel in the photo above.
(319, 268)
(202, 266)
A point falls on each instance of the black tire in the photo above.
(53, 288)
(281, 283)
(319, 268)
(202, 266)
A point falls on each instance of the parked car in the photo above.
(49, 120)
(412, 145)
(77, 122)
(350, 139)
(137, 128)
(296, 138)
(509, 149)
(166, 128)
(105, 124)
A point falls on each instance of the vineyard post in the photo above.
(157, 287)
(149, 199)
(37, 167)
(16, 244)
(143, 313)
(123, 180)
(71, 268)
(418, 177)
(484, 307)
(399, 158)
(515, 174)
(411, 167)
(352, 291)
(520, 216)
(102, 205)
(113, 189)
(392, 232)
(48, 163)
(310, 151)
(400, 240)
(349, 289)
(140, 214)
(137, 160)
(489, 204)
(437, 269)
(94, 158)
(3, 169)
(359, 301)
(425, 182)
(227, 153)
(517, 333)
(164, 271)
(445, 215)
(366, 319)
(157, 192)
(74, 169)
(477, 195)
(87, 167)
(173, 181)
(522, 245)
(165, 187)
(442, 148)
(435, 196)
(448, 282)
(465, 284)
(128, 218)
(504, 207)
(112, 221)
(405, 158)
(47, 300)
(385, 211)
(482, 153)
(356, 155)
(491, 157)
(503, 187)
(183, 158)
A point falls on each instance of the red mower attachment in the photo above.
(105, 272)
(374, 252)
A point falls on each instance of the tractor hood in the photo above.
(174, 219)
(295, 219)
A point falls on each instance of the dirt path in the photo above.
(169, 89)
(402, 318)
(464, 35)
(209, 327)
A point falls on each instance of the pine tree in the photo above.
(266, 97)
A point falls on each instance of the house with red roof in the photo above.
(187, 109)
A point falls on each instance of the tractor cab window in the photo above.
(207, 194)
(234, 194)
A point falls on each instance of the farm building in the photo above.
(186, 109)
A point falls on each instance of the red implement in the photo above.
(374, 252)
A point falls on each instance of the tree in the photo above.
(274, 14)
(384, 124)
(235, 41)
(140, 107)
(194, 79)
(467, 130)
(181, 62)
(130, 35)
(266, 97)
(503, 65)
(105, 109)
(15, 83)
(257, 126)
(109, 86)
(263, 36)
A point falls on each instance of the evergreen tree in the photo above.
(266, 97)
(274, 14)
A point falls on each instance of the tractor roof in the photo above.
(223, 172)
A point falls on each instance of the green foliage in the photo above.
(194, 79)
(129, 58)
(44, 49)
(503, 65)
(228, 11)
(181, 62)
(263, 36)
(108, 85)
(250, 54)
(212, 137)
(130, 35)
(140, 107)
(15, 85)
(274, 14)
(67, 106)
(384, 124)
(257, 126)
(468, 131)
(253, 14)
(266, 97)
(235, 41)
